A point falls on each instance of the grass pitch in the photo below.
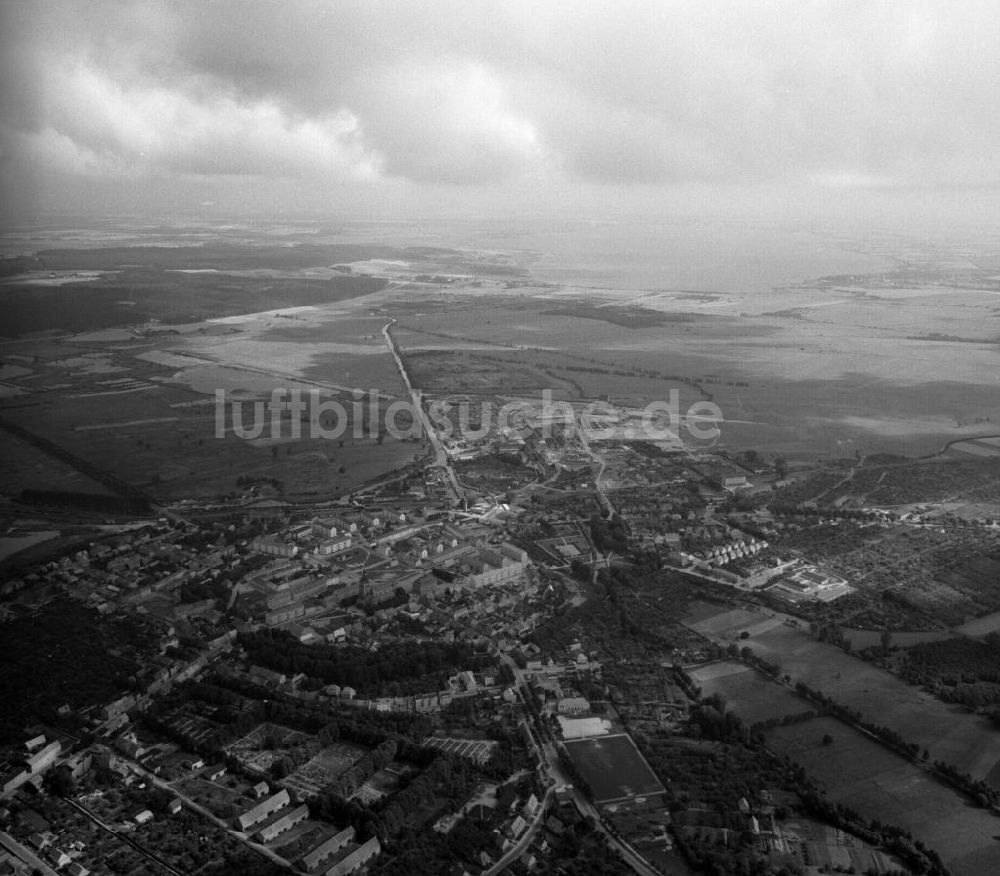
(613, 767)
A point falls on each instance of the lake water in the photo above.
(693, 254)
(699, 256)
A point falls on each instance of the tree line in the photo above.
(361, 668)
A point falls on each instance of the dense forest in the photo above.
(137, 295)
(963, 671)
(95, 502)
(65, 654)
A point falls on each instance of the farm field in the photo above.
(862, 774)
(613, 767)
(948, 732)
(747, 692)
(728, 343)
(726, 340)
(712, 620)
(144, 407)
(981, 626)
(24, 467)
(328, 346)
(158, 433)
(15, 544)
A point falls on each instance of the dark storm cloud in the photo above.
(852, 94)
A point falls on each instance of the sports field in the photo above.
(613, 767)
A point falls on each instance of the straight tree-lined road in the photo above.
(441, 455)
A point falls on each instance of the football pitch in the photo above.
(613, 767)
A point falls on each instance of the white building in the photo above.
(581, 728)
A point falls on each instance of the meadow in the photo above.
(860, 772)
(748, 693)
(774, 361)
(24, 467)
(968, 742)
(143, 408)
(154, 441)
(982, 626)
(877, 783)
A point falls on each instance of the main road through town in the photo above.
(546, 751)
(602, 497)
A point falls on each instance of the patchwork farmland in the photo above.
(952, 735)
(880, 784)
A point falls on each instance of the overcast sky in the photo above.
(294, 104)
